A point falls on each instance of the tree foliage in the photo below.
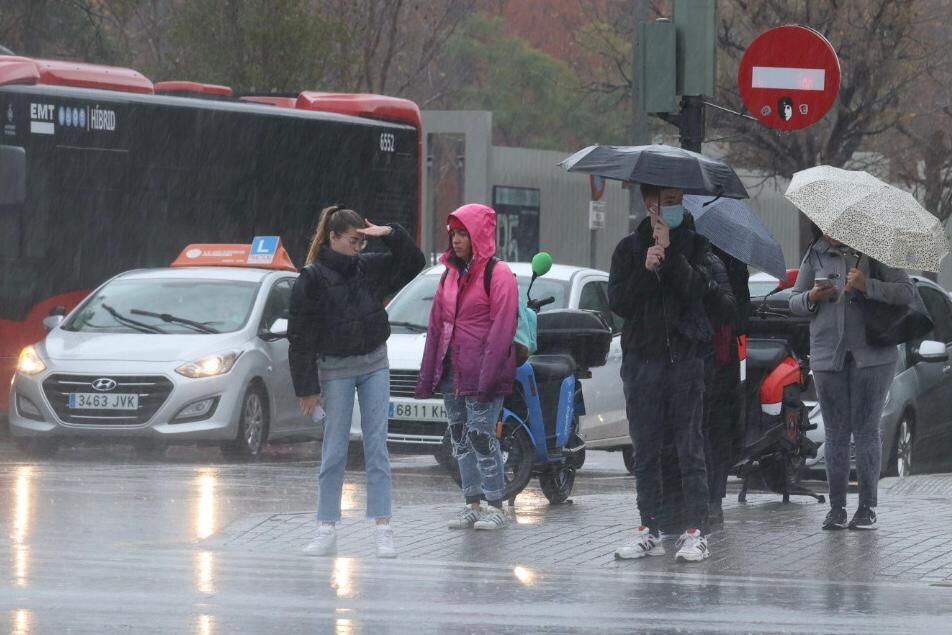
(57, 28)
(253, 45)
(395, 46)
(536, 99)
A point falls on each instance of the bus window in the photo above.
(12, 175)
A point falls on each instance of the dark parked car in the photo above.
(917, 419)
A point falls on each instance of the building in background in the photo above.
(544, 208)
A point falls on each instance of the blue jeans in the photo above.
(475, 446)
(337, 396)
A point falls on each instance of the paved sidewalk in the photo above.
(762, 538)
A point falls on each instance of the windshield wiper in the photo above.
(122, 319)
(416, 328)
(165, 317)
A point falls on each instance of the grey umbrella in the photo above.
(660, 165)
(736, 229)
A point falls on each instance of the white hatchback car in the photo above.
(419, 425)
(155, 356)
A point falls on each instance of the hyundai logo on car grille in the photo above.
(104, 384)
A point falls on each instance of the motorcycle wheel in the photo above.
(557, 484)
(517, 458)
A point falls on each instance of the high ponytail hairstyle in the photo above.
(333, 219)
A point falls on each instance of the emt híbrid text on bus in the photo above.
(102, 171)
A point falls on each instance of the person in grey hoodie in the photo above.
(852, 377)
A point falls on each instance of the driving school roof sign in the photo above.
(264, 252)
(789, 77)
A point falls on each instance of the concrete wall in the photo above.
(563, 216)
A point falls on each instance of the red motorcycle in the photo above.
(773, 444)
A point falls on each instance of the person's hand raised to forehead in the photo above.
(376, 231)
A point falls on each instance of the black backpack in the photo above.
(487, 274)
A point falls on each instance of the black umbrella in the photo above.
(736, 229)
(664, 166)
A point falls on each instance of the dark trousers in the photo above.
(722, 397)
(663, 397)
(852, 401)
(720, 414)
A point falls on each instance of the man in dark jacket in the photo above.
(655, 285)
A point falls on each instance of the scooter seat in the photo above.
(552, 367)
(765, 354)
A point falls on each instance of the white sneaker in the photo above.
(647, 544)
(465, 519)
(325, 543)
(692, 547)
(492, 519)
(383, 535)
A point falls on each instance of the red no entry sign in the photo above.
(789, 77)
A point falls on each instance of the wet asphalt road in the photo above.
(96, 541)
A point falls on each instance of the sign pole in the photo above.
(692, 67)
(596, 217)
(691, 122)
(593, 249)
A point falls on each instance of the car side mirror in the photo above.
(52, 321)
(277, 330)
(931, 351)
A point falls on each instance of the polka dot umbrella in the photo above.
(871, 216)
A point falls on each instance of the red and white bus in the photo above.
(102, 171)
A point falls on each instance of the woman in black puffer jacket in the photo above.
(338, 331)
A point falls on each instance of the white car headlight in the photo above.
(30, 362)
(210, 366)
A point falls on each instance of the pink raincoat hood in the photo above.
(480, 222)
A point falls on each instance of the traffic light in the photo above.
(696, 23)
(657, 69)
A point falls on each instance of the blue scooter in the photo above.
(538, 428)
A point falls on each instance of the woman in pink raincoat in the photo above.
(470, 358)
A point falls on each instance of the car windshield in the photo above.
(171, 306)
(410, 311)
